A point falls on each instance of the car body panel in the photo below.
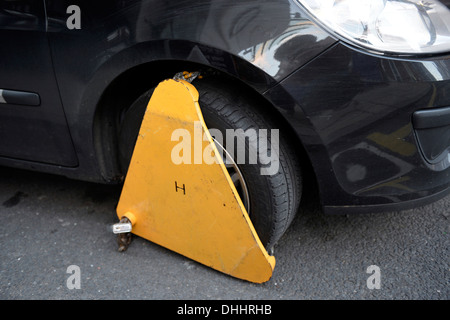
(39, 128)
(117, 36)
(359, 114)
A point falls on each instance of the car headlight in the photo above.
(392, 26)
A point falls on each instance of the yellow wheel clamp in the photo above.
(192, 209)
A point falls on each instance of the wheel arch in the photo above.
(124, 89)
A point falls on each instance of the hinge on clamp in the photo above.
(187, 76)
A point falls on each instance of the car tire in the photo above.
(273, 198)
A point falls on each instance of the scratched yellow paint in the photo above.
(192, 209)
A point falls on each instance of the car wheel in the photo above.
(271, 198)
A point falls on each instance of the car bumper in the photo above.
(354, 114)
(432, 130)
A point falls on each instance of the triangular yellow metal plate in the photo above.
(192, 209)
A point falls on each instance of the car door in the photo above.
(32, 122)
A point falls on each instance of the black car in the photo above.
(359, 91)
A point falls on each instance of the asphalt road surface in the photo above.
(50, 223)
